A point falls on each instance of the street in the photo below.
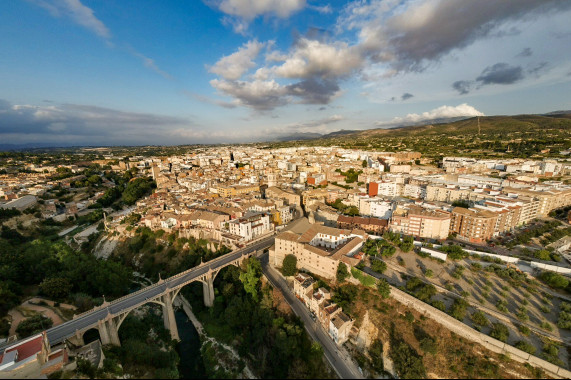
(339, 360)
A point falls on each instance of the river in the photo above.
(191, 365)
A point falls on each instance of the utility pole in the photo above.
(479, 130)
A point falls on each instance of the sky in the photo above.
(126, 72)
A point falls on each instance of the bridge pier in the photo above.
(168, 315)
(77, 340)
(103, 332)
(208, 290)
(108, 332)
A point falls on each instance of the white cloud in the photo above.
(250, 9)
(324, 9)
(409, 36)
(242, 12)
(261, 95)
(314, 58)
(77, 12)
(437, 113)
(233, 66)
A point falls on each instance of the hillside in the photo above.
(509, 136)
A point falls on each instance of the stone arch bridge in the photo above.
(108, 317)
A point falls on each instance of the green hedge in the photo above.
(363, 278)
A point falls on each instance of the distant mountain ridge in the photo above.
(464, 125)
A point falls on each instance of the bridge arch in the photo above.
(91, 335)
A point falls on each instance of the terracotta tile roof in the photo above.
(27, 348)
(289, 236)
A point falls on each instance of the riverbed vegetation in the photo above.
(244, 316)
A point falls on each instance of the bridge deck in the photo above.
(131, 301)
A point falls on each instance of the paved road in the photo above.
(59, 333)
(344, 367)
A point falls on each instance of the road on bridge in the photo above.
(339, 359)
(59, 333)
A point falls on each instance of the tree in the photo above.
(364, 163)
(384, 288)
(135, 190)
(289, 266)
(56, 288)
(342, 272)
(33, 325)
(378, 266)
(251, 277)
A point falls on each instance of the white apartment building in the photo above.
(414, 191)
(376, 207)
(390, 189)
(251, 227)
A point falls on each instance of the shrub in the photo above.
(546, 326)
(551, 352)
(526, 347)
(524, 330)
(428, 273)
(458, 309)
(458, 272)
(384, 288)
(502, 306)
(564, 320)
(409, 317)
(378, 266)
(408, 363)
(439, 305)
(500, 332)
(480, 319)
(342, 272)
(522, 314)
(554, 280)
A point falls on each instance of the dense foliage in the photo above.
(277, 343)
(408, 362)
(33, 325)
(420, 289)
(58, 269)
(342, 272)
(289, 266)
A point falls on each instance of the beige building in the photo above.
(318, 301)
(277, 193)
(421, 222)
(473, 225)
(548, 200)
(449, 194)
(318, 249)
(339, 327)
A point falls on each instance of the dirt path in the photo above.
(27, 309)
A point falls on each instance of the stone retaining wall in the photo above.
(467, 332)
